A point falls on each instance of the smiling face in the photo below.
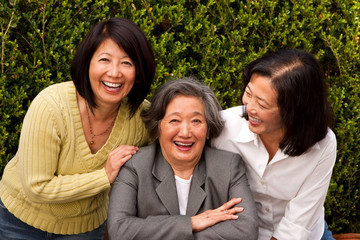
(183, 131)
(111, 72)
(260, 99)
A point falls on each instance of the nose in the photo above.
(114, 71)
(250, 106)
(185, 130)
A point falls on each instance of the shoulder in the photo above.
(233, 111)
(143, 106)
(233, 117)
(330, 136)
(57, 94)
(211, 152)
(53, 99)
(144, 158)
(220, 158)
(223, 166)
(329, 141)
(235, 127)
(57, 88)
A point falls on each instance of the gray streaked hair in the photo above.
(187, 86)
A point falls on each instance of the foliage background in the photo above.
(212, 40)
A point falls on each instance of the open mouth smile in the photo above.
(181, 144)
(112, 85)
(255, 120)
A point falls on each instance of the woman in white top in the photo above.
(282, 133)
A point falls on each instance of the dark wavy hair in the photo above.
(187, 86)
(133, 41)
(298, 80)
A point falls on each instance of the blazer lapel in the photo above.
(166, 190)
(197, 194)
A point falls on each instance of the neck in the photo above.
(271, 143)
(102, 111)
(182, 171)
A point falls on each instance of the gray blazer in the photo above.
(144, 203)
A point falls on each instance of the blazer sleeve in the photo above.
(123, 222)
(246, 226)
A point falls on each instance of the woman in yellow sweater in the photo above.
(75, 137)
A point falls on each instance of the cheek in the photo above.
(131, 75)
(167, 132)
(201, 134)
(244, 100)
(129, 85)
(276, 120)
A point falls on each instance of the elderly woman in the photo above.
(178, 187)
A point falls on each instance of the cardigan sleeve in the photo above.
(39, 150)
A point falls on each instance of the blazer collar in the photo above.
(197, 194)
(166, 189)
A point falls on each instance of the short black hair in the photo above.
(298, 79)
(133, 41)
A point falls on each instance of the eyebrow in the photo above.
(107, 53)
(193, 113)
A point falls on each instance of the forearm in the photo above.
(42, 159)
(231, 229)
(67, 188)
(168, 227)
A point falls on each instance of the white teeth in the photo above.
(113, 85)
(254, 119)
(183, 144)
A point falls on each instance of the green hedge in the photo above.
(212, 40)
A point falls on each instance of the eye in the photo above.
(174, 121)
(128, 63)
(104, 60)
(196, 121)
(262, 106)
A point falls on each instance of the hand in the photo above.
(211, 217)
(117, 158)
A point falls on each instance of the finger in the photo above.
(125, 147)
(121, 161)
(230, 204)
(234, 210)
(123, 151)
(224, 215)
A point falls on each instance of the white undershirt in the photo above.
(182, 188)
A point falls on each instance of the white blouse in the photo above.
(289, 191)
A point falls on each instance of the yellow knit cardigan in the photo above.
(54, 182)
